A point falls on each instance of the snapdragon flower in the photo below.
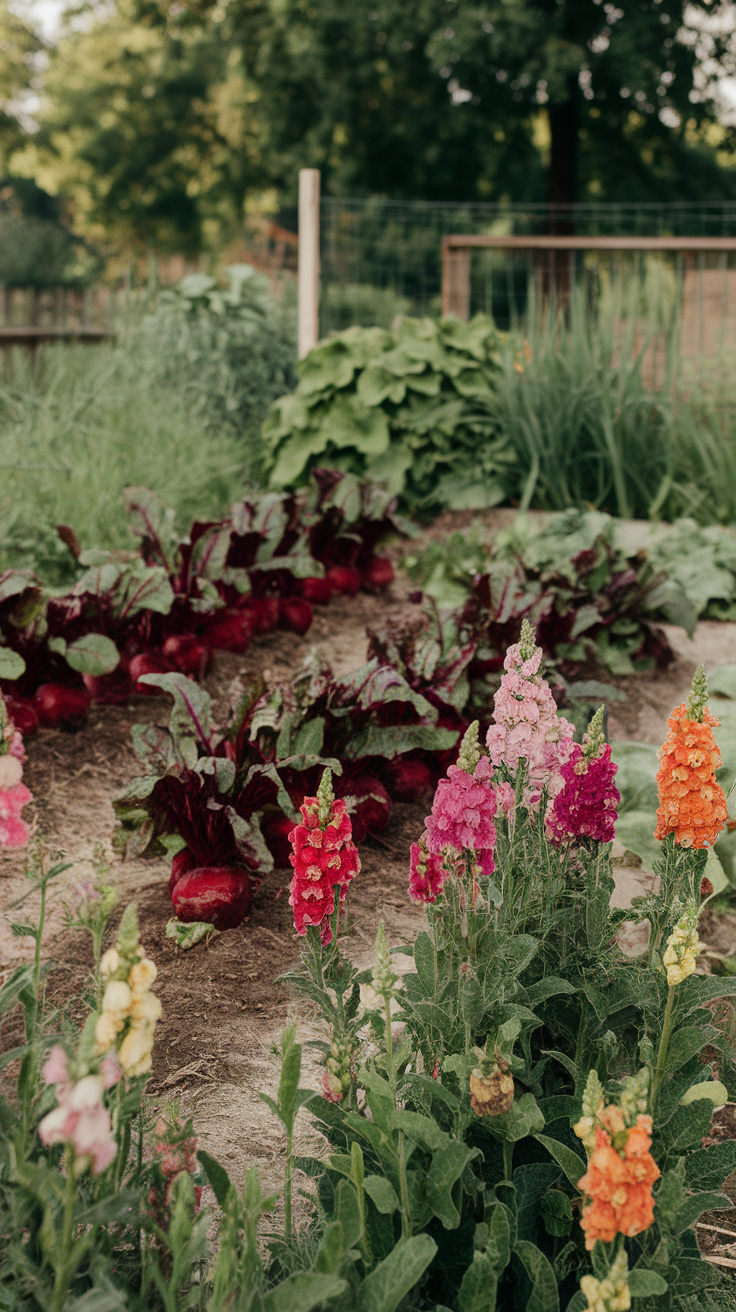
(586, 805)
(527, 726)
(464, 806)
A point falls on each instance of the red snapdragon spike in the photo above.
(378, 574)
(188, 654)
(60, 706)
(295, 615)
(147, 662)
(215, 895)
(324, 859)
(316, 591)
(181, 864)
(345, 579)
(23, 714)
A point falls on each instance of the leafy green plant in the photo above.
(414, 407)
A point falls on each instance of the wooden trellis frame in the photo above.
(457, 249)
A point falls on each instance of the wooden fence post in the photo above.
(308, 276)
(455, 279)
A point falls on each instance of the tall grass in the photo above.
(175, 404)
(594, 423)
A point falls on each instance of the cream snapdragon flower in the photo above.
(682, 948)
(613, 1293)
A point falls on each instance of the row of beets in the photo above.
(388, 731)
(166, 606)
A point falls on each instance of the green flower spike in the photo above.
(698, 695)
(325, 797)
(527, 641)
(470, 752)
(594, 737)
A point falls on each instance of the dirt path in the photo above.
(223, 1009)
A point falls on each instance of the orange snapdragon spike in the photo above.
(618, 1184)
(692, 806)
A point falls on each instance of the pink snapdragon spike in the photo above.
(81, 1119)
(527, 724)
(324, 857)
(464, 806)
(14, 795)
(426, 872)
(586, 806)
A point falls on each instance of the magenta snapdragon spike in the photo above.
(527, 724)
(464, 806)
(323, 856)
(586, 806)
(426, 872)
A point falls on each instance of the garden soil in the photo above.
(223, 1006)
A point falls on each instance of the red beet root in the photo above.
(295, 615)
(276, 827)
(265, 611)
(378, 574)
(148, 662)
(318, 591)
(371, 807)
(231, 630)
(110, 689)
(23, 714)
(188, 654)
(181, 864)
(216, 895)
(59, 705)
(344, 579)
(409, 779)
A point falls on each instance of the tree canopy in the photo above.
(159, 117)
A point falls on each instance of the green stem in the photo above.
(404, 1190)
(389, 1041)
(37, 957)
(664, 1042)
(508, 1157)
(287, 1192)
(64, 1275)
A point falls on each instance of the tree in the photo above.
(627, 91)
(160, 116)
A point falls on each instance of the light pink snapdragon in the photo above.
(14, 795)
(81, 1118)
(528, 726)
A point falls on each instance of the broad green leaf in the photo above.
(93, 654)
(523, 1118)
(548, 987)
(573, 1166)
(692, 1209)
(396, 739)
(302, 1292)
(12, 664)
(707, 1168)
(448, 1164)
(185, 936)
(544, 1296)
(646, 1284)
(396, 1275)
(381, 1193)
(347, 1212)
(478, 1290)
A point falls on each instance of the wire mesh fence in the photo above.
(382, 258)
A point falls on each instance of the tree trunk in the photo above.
(562, 179)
